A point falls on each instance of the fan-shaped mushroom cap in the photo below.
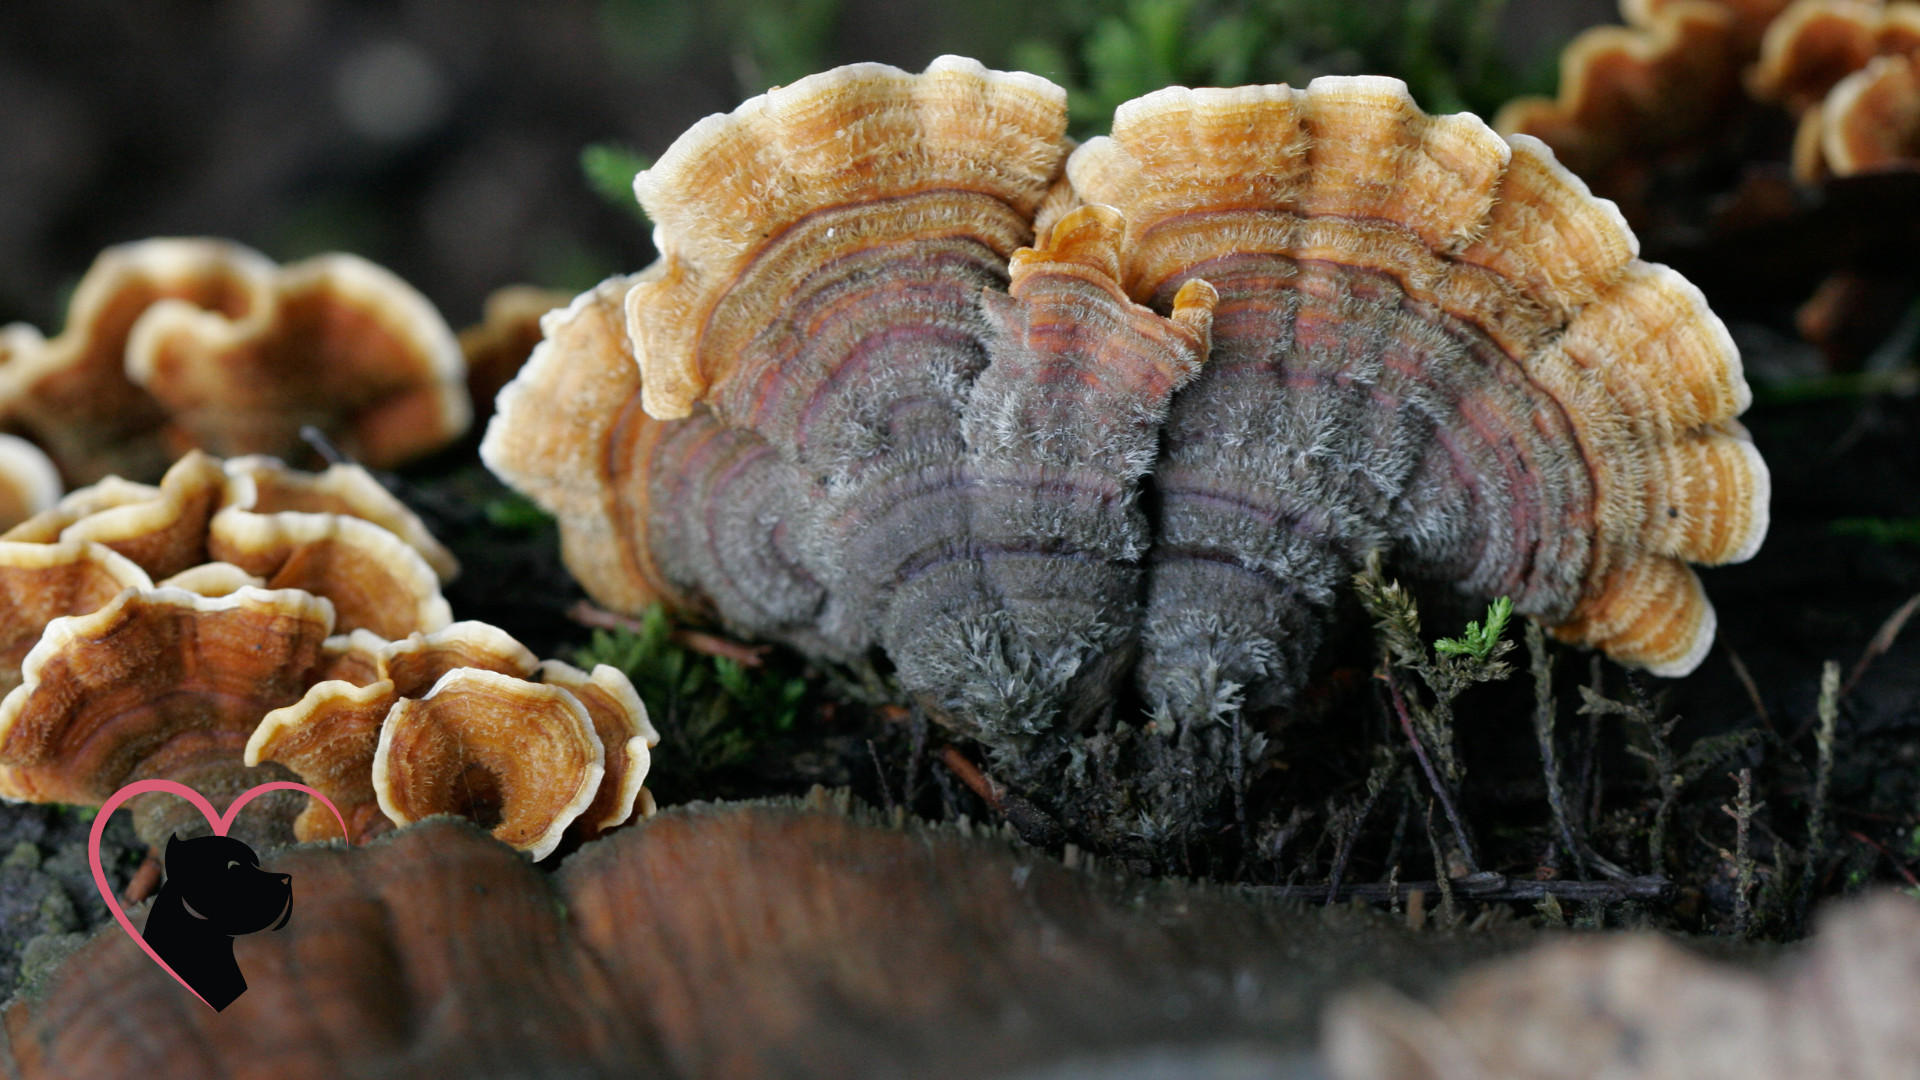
(333, 341)
(72, 393)
(1869, 123)
(157, 683)
(265, 485)
(958, 150)
(626, 735)
(375, 580)
(42, 582)
(416, 663)
(500, 344)
(29, 483)
(1665, 78)
(832, 399)
(353, 656)
(1584, 453)
(163, 529)
(1816, 43)
(337, 534)
(329, 737)
(569, 434)
(493, 748)
(46, 526)
(177, 343)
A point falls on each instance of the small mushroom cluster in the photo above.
(172, 344)
(151, 630)
(1850, 70)
(1630, 93)
(463, 721)
(1847, 69)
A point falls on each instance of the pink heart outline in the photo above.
(221, 823)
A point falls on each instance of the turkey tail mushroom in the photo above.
(896, 382)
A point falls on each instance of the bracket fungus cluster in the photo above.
(175, 344)
(1850, 70)
(251, 520)
(1673, 75)
(1075, 439)
(149, 630)
(464, 721)
(159, 683)
(1667, 78)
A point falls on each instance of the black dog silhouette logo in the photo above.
(214, 892)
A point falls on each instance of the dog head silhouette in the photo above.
(214, 892)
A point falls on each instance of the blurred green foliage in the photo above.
(766, 42)
(1108, 51)
(514, 512)
(610, 169)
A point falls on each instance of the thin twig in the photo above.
(916, 753)
(880, 777)
(1828, 711)
(1891, 857)
(1544, 710)
(1589, 801)
(599, 618)
(1882, 641)
(1239, 779)
(1753, 689)
(970, 775)
(1433, 779)
(1449, 914)
(1376, 783)
(328, 450)
(1400, 828)
(146, 881)
(1742, 814)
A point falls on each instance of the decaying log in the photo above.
(730, 940)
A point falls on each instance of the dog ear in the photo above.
(173, 841)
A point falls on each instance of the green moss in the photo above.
(712, 713)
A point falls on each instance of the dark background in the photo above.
(442, 138)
